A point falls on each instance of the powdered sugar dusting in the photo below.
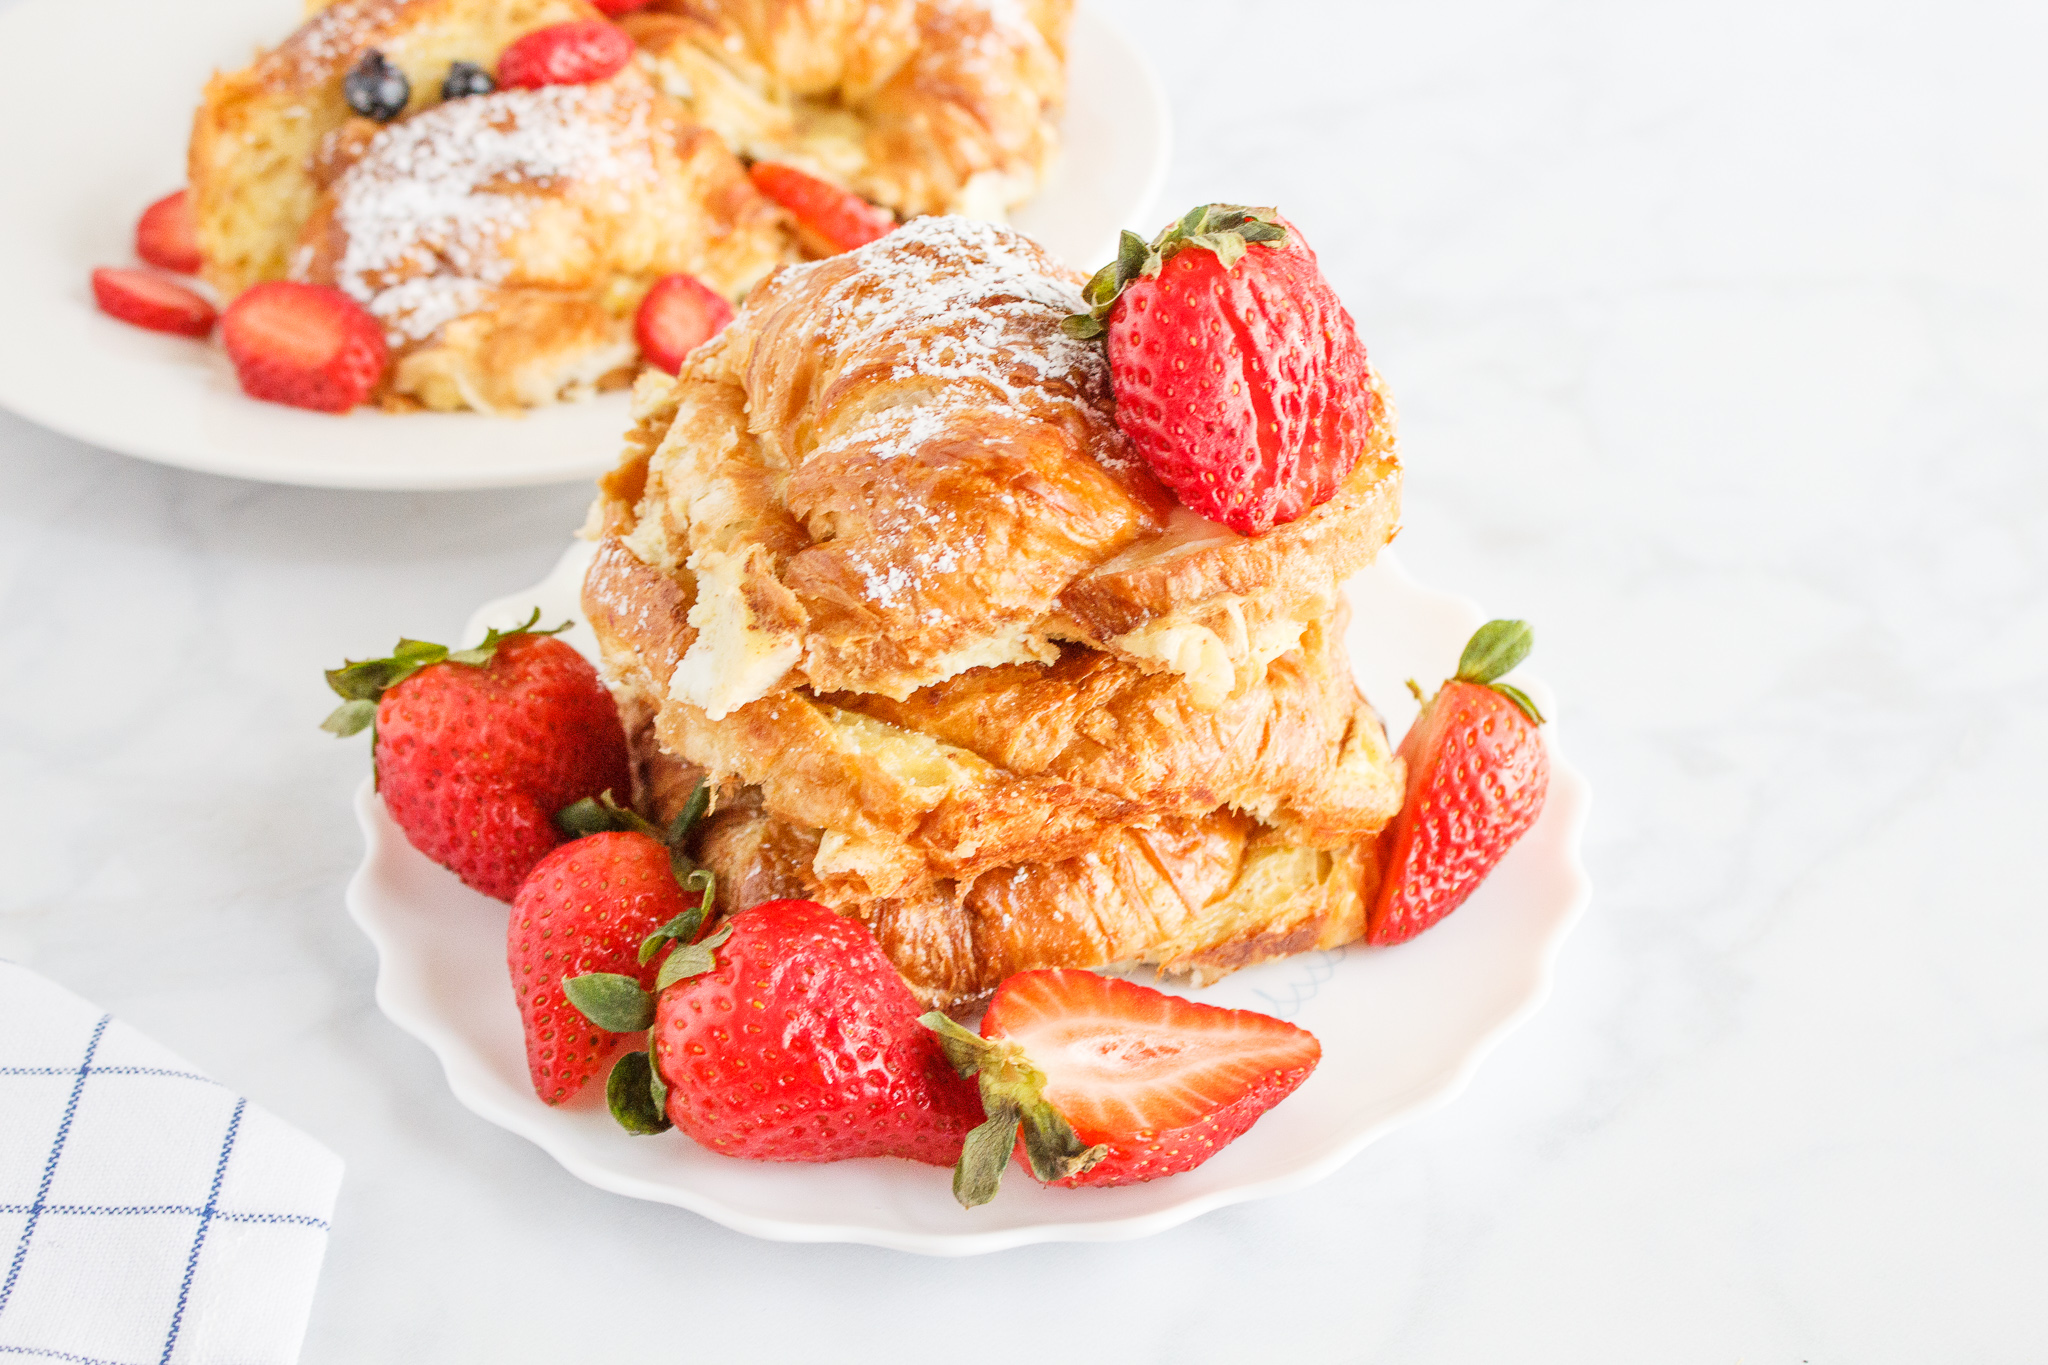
(428, 209)
(974, 305)
(982, 289)
(332, 38)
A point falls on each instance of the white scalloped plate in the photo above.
(79, 171)
(1402, 1028)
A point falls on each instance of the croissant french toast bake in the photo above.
(894, 466)
(925, 106)
(1078, 814)
(502, 239)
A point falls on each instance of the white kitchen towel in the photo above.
(148, 1215)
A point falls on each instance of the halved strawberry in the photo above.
(615, 8)
(828, 219)
(1477, 775)
(151, 301)
(574, 53)
(678, 315)
(304, 344)
(167, 234)
(1238, 374)
(1094, 1080)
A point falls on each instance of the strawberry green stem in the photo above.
(1226, 229)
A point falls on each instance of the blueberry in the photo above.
(376, 88)
(465, 79)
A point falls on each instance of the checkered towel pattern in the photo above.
(148, 1216)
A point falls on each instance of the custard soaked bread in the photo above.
(925, 106)
(503, 239)
(894, 466)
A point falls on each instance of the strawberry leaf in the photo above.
(963, 1047)
(488, 650)
(1226, 229)
(629, 1093)
(1494, 649)
(367, 680)
(684, 927)
(370, 679)
(602, 814)
(657, 1088)
(692, 812)
(1052, 1146)
(983, 1157)
(690, 959)
(613, 1002)
(350, 717)
(1519, 698)
(1012, 1098)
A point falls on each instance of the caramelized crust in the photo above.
(894, 467)
(925, 106)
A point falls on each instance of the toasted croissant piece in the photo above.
(504, 240)
(1006, 764)
(894, 467)
(925, 106)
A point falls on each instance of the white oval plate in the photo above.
(1402, 1028)
(83, 161)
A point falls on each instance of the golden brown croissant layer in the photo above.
(1001, 765)
(894, 467)
(1198, 898)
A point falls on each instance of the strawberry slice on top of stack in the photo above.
(1239, 375)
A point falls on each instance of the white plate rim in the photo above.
(1567, 806)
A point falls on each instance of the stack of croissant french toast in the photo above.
(880, 564)
(971, 631)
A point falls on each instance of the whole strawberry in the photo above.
(1477, 775)
(1094, 1080)
(477, 749)
(1238, 375)
(601, 903)
(797, 1041)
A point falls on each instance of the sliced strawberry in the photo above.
(167, 234)
(151, 301)
(575, 53)
(1477, 775)
(304, 344)
(618, 7)
(1239, 376)
(678, 315)
(1093, 1080)
(829, 219)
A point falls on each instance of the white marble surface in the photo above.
(1721, 339)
